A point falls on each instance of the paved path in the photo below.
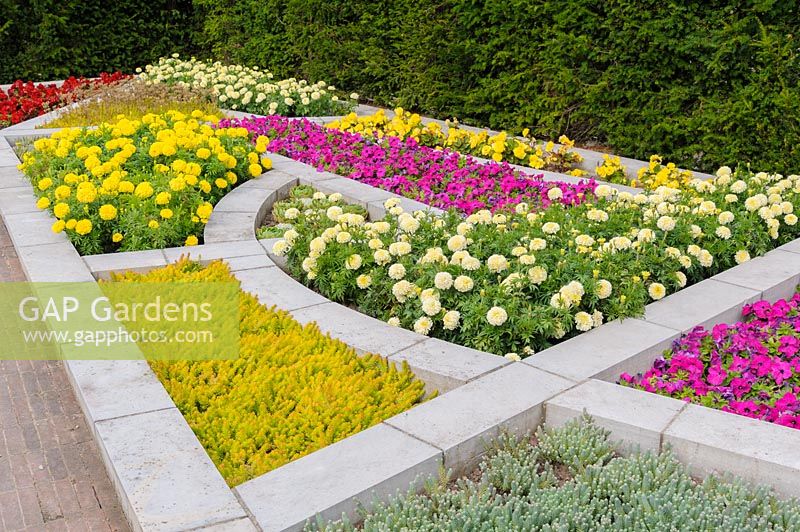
(51, 473)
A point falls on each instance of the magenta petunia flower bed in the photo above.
(441, 178)
(751, 368)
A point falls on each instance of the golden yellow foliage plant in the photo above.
(133, 99)
(498, 147)
(292, 390)
(131, 185)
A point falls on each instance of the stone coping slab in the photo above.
(614, 407)
(709, 441)
(166, 487)
(376, 462)
(463, 422)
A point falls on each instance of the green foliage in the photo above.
(48, 39)
(517, 490)
(701, 83)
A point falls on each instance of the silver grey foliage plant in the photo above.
(570, 479)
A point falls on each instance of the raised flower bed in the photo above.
(25, 100)
(565, 480)
(749, 368)
(519, 280)
(139, 184)
(440, 178)
(503, 146)
(248, 89)
(131, 99)
(291, 390)
(497, 147)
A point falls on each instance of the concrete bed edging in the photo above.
(460, 442)
(162, 475)
(709, 441)
(715, 300)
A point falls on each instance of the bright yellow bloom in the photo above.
(61, 210)
(162, 198)
(144, 190)
(83, 227)
(108, 212)
(254, 169)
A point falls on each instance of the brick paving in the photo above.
(51, 473)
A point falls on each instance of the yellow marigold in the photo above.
(176, 184)
(61, 210)
(83, 227)
(254, 169)
(261, 143)
(144, 190)
(86, 192)
(62, 192)
(107, 212)
(193, 169)
(204, 210)
(162, 198)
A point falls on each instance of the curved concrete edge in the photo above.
(452, 426)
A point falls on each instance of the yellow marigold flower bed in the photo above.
(139, 184)
(503, 146)
(499, 147)
(291, 391)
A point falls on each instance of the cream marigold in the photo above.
(496, 316)
(657, 291)
(583, 321)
